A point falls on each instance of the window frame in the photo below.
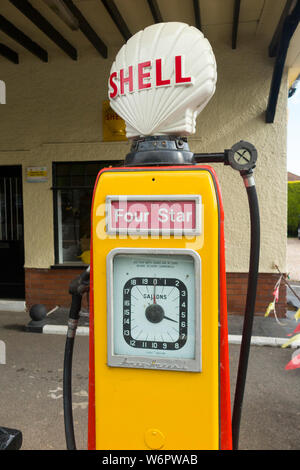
(55, 190)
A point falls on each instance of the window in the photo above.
(73, 185)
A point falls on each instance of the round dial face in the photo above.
(242, 156)
(154, 305)
(155, 313)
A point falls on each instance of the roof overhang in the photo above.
(49, 28)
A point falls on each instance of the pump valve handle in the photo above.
(242, 156)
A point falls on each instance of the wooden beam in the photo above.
(235, 25)
(276, 36)
(34, 15)
(157, 16)
(288, 28)
(62, 12)
(197, 14)
(9, 54)
(86, 28)
(21, 38)
(117, 18)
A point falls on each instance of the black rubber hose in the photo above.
(67, 375)
(249, 312)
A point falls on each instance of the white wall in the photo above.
(53, 113)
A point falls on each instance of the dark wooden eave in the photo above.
(197, 14)
(34, 15)
(288, 28)
(21, 38)
(235, 25)
(86, 29)
(9, 54)
(157, 16)
(117, 18)
(273, 46)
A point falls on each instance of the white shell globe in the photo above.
(161, 80)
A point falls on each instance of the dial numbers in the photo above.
(154, 305)
(155, 313)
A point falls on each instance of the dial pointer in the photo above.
(167, 318)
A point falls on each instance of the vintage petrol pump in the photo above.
(159, 367)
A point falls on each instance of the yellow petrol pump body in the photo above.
(146, 398)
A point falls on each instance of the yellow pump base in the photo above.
(143, 408)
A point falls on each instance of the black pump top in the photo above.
(160, 150)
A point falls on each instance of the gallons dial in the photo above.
(155, 313)
(154, 303)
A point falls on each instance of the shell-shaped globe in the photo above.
(161, 80)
